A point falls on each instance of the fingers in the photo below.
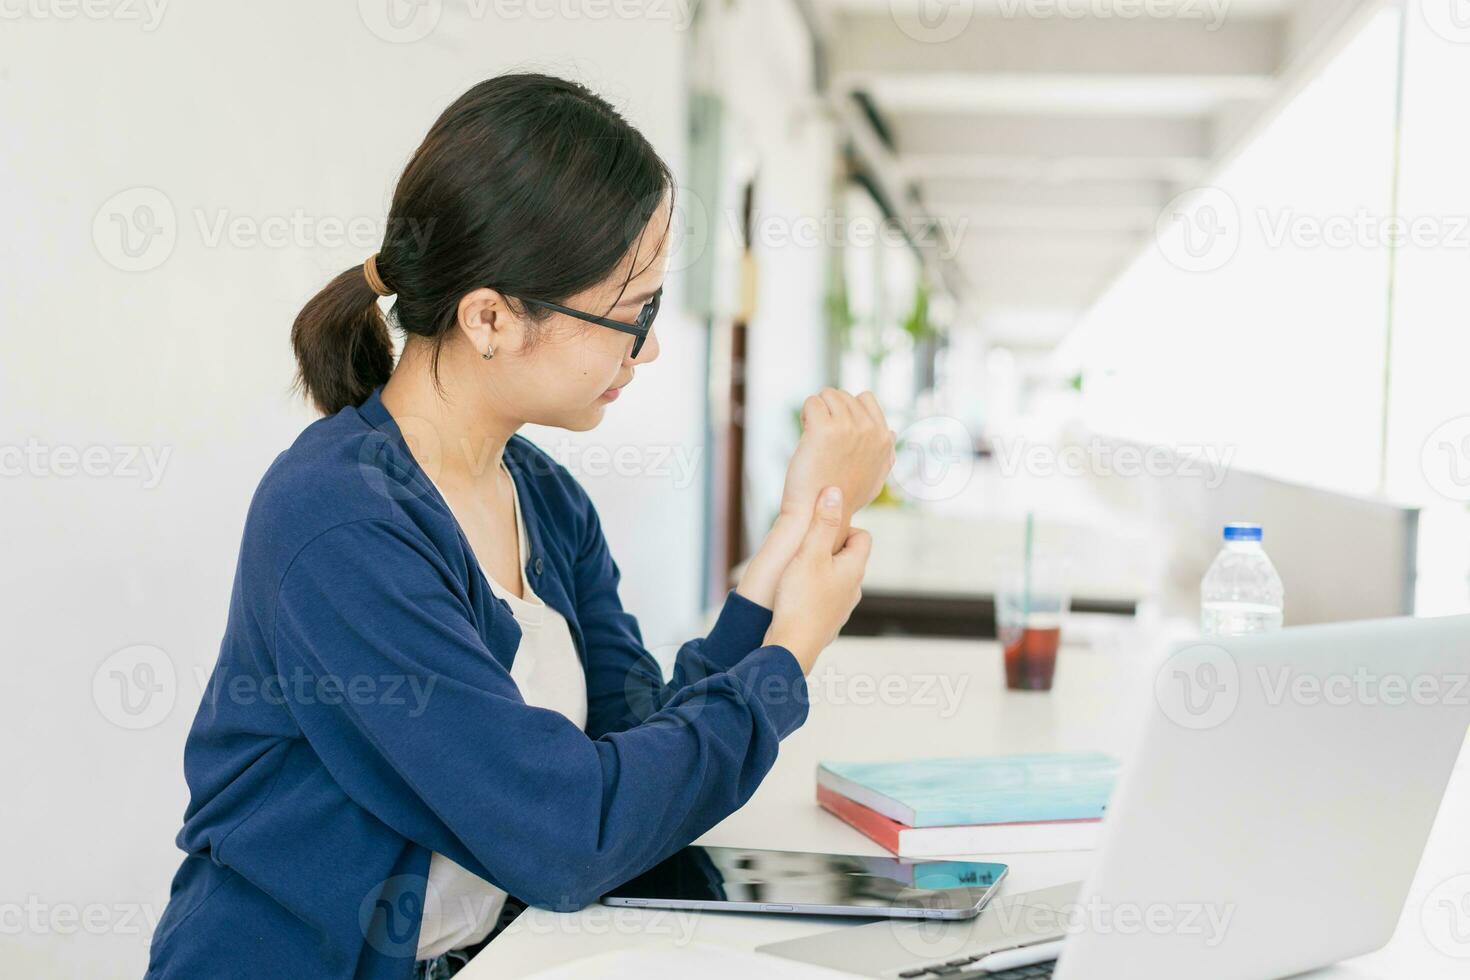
(857, 547)
(814, 411)
(842, 405)
(869, 403)
(821, 536)
(860, 410)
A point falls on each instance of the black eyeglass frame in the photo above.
(638, 328)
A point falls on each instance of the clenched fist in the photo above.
(845, 442)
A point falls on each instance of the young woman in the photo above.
(429, 698)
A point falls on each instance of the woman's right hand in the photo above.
(821, 585)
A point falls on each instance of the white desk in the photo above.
(951, 701)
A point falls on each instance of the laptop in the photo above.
(1269, 822)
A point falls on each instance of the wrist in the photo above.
(784, 537)
(758, 581)
(802, 648)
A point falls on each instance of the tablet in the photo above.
(739, 879)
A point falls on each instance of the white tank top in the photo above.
(460, 908)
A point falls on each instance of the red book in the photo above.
(1000, 838)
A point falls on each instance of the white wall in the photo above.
(759, 59)
(1429, 405)
(257, 111)
(1258, 311)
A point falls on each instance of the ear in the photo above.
(486, 320)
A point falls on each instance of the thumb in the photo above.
(821, 535)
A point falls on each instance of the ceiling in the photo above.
(1050, 142)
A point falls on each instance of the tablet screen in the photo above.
(885, 885)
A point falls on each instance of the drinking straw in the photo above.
(1026, 571)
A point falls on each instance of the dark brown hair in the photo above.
(528, 183)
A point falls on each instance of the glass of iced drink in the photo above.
(1030, 605)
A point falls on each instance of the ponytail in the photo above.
(342, 346)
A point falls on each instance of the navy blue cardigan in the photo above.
(362, 715)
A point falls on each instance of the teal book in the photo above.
(977, 790)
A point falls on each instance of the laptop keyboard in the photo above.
(956, 970)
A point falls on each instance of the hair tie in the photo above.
(375, 281)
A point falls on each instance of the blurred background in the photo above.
(1132, 267)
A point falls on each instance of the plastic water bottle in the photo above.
(1241, 592)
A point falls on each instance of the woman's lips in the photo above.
(610, 395)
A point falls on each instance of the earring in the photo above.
(489, 353)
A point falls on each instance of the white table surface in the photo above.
(900, 697)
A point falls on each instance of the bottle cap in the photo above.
(1242, 532)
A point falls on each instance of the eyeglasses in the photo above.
(638, 328)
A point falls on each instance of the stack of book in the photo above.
(980, 805)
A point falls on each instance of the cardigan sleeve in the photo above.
(456, 761)
(624, 683)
